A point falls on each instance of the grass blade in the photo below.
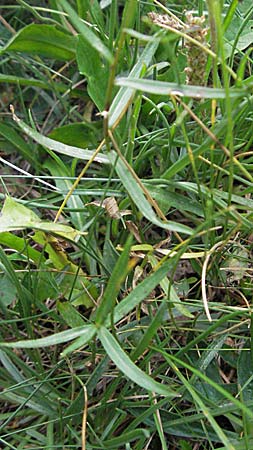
(119, 273)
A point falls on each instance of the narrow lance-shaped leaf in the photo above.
(182, 90)
(59, 147)
(87, 331)
(141, 291)
(139, 198)
(127, 304)
(129, 369)
(19, 244)
(50, 85)
(91, 65)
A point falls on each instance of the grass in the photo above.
(126, 225)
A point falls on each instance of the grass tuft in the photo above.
(126, 225)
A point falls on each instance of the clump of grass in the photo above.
(125, 284)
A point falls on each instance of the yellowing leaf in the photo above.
(15, 216)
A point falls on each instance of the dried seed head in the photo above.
(165, 21)
(196, 56)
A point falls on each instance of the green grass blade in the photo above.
(217, 130)
(220, 433)
(125, 438)
(179, 362)
(113, 286)
(33, 82)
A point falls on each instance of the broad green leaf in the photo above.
(88, 59)
(139, 198)
(167, 198)
(59, 147)
(113, 285)
(15, 216)
(97, 91)
(129, 369)
(7, 291)
(164, 88)
(86, 32)
(86, 331)
(71, 316)
(124, 96)
(78, 134)
(43, 40)
(239, 35)
(90, 64)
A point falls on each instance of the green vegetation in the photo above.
(126, 226)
